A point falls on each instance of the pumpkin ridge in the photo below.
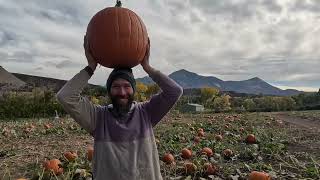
(130, 29)
(118, 33)
(139, 54)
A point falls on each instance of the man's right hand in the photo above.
(92, 63)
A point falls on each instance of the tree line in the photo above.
(43, 103)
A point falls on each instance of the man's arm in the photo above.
(160, 104)
(79, 108)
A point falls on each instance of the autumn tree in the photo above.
(207, 96)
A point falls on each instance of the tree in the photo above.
(222, 103)
(249, 105)
(151, 90)
(207, 96)
(140, 94)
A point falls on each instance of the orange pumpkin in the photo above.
(209, 169)
(117, 37)
(255, 175)
(201, 133)
(197, 139)
(227, 153)
(218, 137)
(190, 167)
(53, 165)
(251, 139)
(90, 153)
(71, 156)
(47, 126)
(168, 158)
(186, 153)
(207, 151)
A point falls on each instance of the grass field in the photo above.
(287, 146)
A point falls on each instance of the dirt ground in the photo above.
(304, 130)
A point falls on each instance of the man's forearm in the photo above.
(168, 85)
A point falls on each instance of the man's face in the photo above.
(121, 94)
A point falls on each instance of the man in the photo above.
(124, 143)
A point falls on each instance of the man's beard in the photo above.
(119, 108)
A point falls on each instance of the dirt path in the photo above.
(313, 125)
(305, 133)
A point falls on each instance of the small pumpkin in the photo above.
(186, 153)
(168, 158)
(251, 139)
(90, 153)
(218, 137)
(53, 165)
(71, 155)
(209, 169)
(190, 167)
(207, 151)
(227, 153)
(197, 139)
(255, 175)
(47, 126)
(201, 134)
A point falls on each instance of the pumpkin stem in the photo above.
(119, 4)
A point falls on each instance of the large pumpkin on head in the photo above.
(117, 37)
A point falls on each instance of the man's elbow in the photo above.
(60, 96)
(180, 90)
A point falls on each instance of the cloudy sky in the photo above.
(276, 40)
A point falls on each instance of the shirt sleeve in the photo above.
(160, 104)
(79, 107)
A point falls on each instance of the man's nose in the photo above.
(122, 91)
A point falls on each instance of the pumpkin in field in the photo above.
(218, 137)
(251, 139)
(186, 153)
(71, 156)
(201, 133)
(197, 139)
(53, 165)
(207, 151)
(209, 169)
(255, 175)
(168, 158)
(227, 153)
(47, 126)
(190, 167)
(90, 153)
(22, 179)
(117, 37)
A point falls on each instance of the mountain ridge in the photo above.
(255, 85)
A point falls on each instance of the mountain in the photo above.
(38, 81)
(9, 81)
(189, 80)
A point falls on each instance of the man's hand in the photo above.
(145, 62)
(92, 63)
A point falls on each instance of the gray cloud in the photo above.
(233, 40)
(306, 5)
